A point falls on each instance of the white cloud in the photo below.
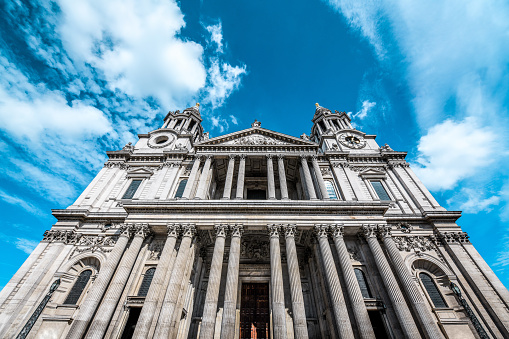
(224, 79)
(472, 200)
(26, 245)
(452, 151)
(366, 107)
(216, 36)
(20, 202)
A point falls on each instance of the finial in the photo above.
(256, 123)
(317, 105)
(197, 104)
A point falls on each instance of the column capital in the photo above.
(384, 231)
(273, 230)
(303, 157)
(280, 156)
(237, 230)
(126, 230)
(232, 156)
(173, 230)
(369, 231)
(289, 230)
(221, 230)
(321, 230)
(337, 230)
(141, 230)
(314, 157)
(268, 156)
(189, 230)
(242, 157)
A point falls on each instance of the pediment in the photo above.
(371, 173)
(140, 173)
(257, 136)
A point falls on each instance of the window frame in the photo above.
(178, 186)
(83, 290)
(131, 181)
(384, 187)
(333, 189)
(364, 276)
(433, 280)
(144, 275)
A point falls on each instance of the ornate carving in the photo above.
(173, 230)
(120, 164)
(256, 123)
(416, 243)
(128, 147)
(404, 227)
(363, 168)
(452, 237)
(96, 243)
(141, 230)
(386, 148)
(67, 237)
(321, 230)
(155, 248)
(337, 230)
(384, 231)
(255, 248)
(273, 230)
(189, 230)
(256, 139)
(289, 230)
(325, 171)
(237, 230)
(354, 255)
(304, 136)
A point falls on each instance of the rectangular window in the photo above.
(181, 188)
(380, 190)
(133, 187)
(330, 190)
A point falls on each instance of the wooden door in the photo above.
(255, 311)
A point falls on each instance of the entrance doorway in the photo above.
(254, 311)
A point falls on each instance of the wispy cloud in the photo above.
(26, 245)
(20, 202)
(366, 107)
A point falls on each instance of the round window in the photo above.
(161, 140)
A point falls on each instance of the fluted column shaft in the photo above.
(232, 285)
(229, 178)
(150, 304)
(319, 177)
(338, 302)
(282, 177)
(352, 285)
(103, 315)
(270, 178)
(240, 177)
(202, 184)
(276, 284)
(307, 178)
(165, 323)
(391, 286)
(192, 178)
(94, 296)
(427, 320)
(299, 313)
(208, 323)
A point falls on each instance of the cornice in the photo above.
(82, 214)
(442, 216)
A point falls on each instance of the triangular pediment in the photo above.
(372, 173)
(141, 172)
(256, 136)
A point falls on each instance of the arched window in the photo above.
(181, 188)
(330, 190)
(433, 292)
(361, 279)
(77, 289)
(147, 280)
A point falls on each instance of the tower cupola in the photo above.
(327, 122)
(186, 122)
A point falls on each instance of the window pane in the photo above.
(366, 293)
(330, 190)
(145, 284)
(181, 188)
(380, 190)
(129, 194)
(77, 289)
(432, 290)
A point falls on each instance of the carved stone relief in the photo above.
(155, 248)
(414, 243)
(256, 140)
(255, 248)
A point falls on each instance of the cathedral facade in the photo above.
(255, 234)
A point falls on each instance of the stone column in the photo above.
(427, 320)
(352, 285)
(240, 177)
(232, 285)
(299, 313)
(96, 292)
(150, 304)
(270, 178)
(201, 191)
(307, 177)
(164, 323)
(192, 178)
(338, 302)
(391, 286)
(276, 284)
(103, 315)
(319, 178)
(229, 178)
(208, 323)
(282, 177)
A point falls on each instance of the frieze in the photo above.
(96, 243)
(255, 248)
(256, 140)
(363, 168)
(155, 248)
(417, 244)
(354, 254)
(116, 164)
(404, 227)
(325, 171)
(67, 237)
(453, 237)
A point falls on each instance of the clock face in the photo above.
(352, 140)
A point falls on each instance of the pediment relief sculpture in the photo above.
(255, 139)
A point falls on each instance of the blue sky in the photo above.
(78, 78)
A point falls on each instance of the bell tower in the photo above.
(186, 122)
